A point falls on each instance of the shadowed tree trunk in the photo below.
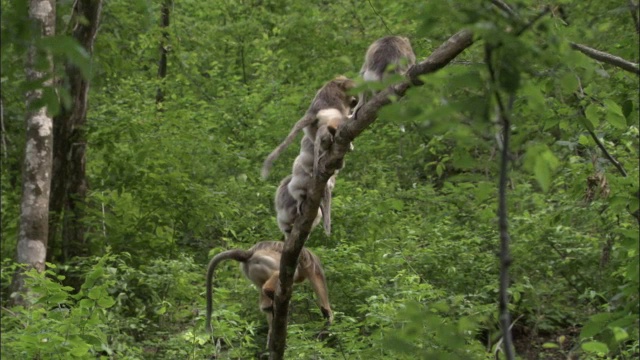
(162, 64)
(69, 184)
(36, 168)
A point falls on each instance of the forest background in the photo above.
(172, 167)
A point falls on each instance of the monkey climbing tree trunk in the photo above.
(162, 64)
(36, 168)
(345, 134)
(69, 183)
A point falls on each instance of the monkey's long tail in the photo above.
(235, 254)
(305, 121)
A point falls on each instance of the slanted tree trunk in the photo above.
(69, 184)
(36, 168)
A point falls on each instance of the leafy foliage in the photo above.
(411, 262)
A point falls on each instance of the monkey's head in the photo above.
(344, 83)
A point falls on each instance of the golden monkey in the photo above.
(388, 50)
(333, 94)
(305, 166)
(329, 120)
(288, 207)
(261, 265)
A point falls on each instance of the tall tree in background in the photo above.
(36, 168)
(69, 184)
(162, 64)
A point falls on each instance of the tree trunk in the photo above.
(69, 184)
(162, 64)
(36, 169)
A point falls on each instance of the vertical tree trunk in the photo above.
(162, 64)
(36, 168)
(69, 184)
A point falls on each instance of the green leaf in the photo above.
(595, 347)
(106, 302)
(57, 298)
(591, 329)
(620, 334)
(550, 346)
(614, 114)
(86, 303)
(592, 115)
(542, 162)
(96, 293)
(569, 82)
(79, 349)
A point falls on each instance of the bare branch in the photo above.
(504, 7)
(601, 145)
(503, 224)
(328, 165)
(607, 58)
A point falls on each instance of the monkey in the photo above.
(388, 50)
(333, 94)
(261, 265)
(288, 208)
(305, 168)
(329, 120)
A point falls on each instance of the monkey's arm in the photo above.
(325, 207)
(319, 284)
(305, 121)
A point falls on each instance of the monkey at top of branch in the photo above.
(387, 51)
(333, 95)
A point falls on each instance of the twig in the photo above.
(381, 19)
(595, 138)
(505, 257)
(607, 58)
(602, 148)
(500, 341)
(504, 7)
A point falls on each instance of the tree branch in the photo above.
(503, 224)
(607, 58)
(504, 7)
(600, 144)
(328, 165)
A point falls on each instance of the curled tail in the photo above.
(306, 120)
(236, 254)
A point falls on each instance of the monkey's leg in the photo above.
(269, 287)
(324, 140)
(319, 285)
(325, 207)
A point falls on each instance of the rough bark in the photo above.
(69, 184)
(302, 226)
(36, 168)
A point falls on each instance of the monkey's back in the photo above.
(388, 50)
